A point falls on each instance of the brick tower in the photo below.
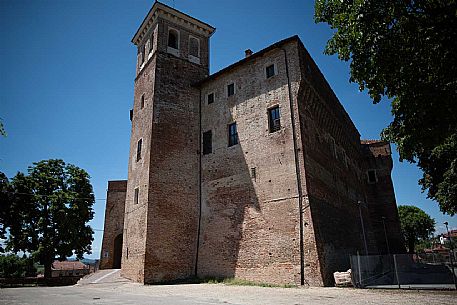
(161, 218)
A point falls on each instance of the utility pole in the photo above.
(359, 203)
(451, 253)
(385, 234)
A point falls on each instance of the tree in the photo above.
(13, 266)
(5, 195)
(2, 129)
(405, 51)
(49, 210)
(415, 225)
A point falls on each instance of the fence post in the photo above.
(359, 269)
(396, 271)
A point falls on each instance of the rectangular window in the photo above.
(136, 198)
(372, 178)
(138, 150)
(143, 53)
(207, 142)
(231, 89)
(274, 119)
(151, 42)
(210, 98)
(253, 173)
(270, 71)
(233, 135)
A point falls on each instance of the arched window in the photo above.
(173, 39)
(194, 47)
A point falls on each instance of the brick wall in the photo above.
(333, 169)
(250, 225)
(381, 198)
(114, 221)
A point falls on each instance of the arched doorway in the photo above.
(117, 252)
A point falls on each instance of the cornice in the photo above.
(168, 13)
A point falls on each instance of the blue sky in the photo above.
(67, 71)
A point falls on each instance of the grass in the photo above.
(225, 281)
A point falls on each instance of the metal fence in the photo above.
(403, 271)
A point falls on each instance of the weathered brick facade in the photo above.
(114, 225)
(287, 204)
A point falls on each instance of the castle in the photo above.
(254, 172)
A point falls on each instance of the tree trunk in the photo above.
(47, 268)
(411, 243)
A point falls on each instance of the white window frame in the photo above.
(195, 60)
(170, 49)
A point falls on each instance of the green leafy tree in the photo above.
(405, 50)
(14, 266)
(416, 225)
(5, 196)
(49, 211)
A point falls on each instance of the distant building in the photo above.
(69, 268)
(254, 172)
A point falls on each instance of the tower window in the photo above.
(232, 134)
(207, 142)
(253, 173)
(230, 89)
(142, 102)
(274, 119)
(143, 53)
(173, 39)
(372, 177)
(136, 197)
(210, 98)
(270, 71)
(151, 42)
(194, 47)
(138, 149)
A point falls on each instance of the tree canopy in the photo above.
(415, 225)
(405, 51)
(48, 210)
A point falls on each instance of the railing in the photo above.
(402, 271)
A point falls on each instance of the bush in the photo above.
(13, 266)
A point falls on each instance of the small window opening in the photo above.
(151, 43)
(138, 149)
(143, 53)
(270, 71)
(136, 198)
(173, 39)
(194, 47)
(372, 177)
(233, 135)
(210, 98)
(207, 142)
(253, 173)
(274, 119)
(231, 89)
(142, 102)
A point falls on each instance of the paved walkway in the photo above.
(113, 290)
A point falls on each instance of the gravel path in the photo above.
(127, 293)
